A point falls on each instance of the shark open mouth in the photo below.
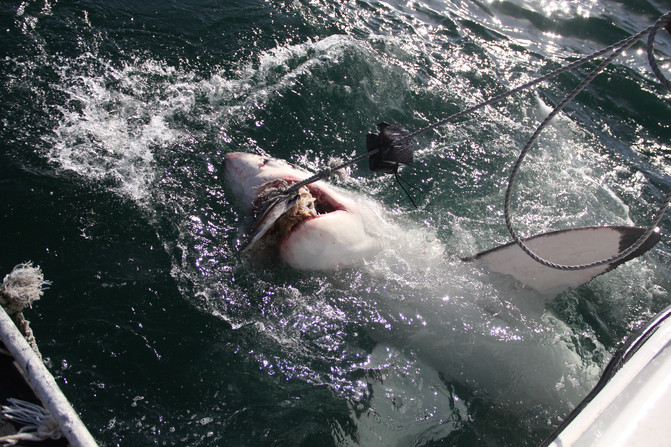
(306, 207)
(319, 228)
(312, 202)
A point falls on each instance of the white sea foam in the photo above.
(116, 118)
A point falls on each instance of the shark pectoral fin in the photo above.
(326, 242)
(568, 247)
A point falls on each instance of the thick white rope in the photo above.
(20, 289)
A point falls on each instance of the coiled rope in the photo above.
(614, 50)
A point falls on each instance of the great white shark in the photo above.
(499, 345)
(323, 227)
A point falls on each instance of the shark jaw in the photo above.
(333, 235)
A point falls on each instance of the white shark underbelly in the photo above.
(333, 240)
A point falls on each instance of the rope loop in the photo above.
(23, 286)
(664, 21)
(615, 50)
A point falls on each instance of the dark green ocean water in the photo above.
(115, 116)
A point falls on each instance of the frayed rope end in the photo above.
(20, 288)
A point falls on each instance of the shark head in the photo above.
(332, 235)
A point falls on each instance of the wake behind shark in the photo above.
(323, 228)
